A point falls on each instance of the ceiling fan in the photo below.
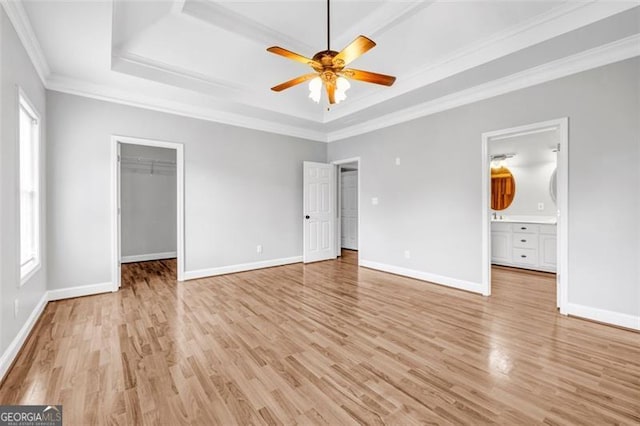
(329, 67)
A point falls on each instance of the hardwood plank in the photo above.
(325, 343)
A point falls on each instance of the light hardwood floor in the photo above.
(326, 343)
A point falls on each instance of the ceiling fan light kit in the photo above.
(329, 67)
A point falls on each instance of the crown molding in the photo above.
(560, 20)
(151, 69)
(20, 20)
(105, 93)
(619, 50)
(381, 20)
(162, 72)
(229, 20)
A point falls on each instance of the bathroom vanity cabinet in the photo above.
(524, 245)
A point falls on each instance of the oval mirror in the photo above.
(503, 188)
(553, 185)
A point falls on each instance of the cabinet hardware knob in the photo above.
(307, 217)
(523, 241)
(523, 227)
(523, 255)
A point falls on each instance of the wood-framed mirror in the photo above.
(503, 188)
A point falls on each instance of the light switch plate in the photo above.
(374, 201)
(397, 161)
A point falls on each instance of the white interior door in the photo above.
(349, 210)
(319, 201)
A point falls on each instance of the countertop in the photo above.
(544, 220)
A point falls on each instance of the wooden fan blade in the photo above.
(293, 56)
(357, 48)
(293, 82)
(331, 91)
(369, 77)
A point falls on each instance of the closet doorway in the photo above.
(348, 205)
(148, 203)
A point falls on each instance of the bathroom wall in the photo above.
(532, 165)
(532, 188)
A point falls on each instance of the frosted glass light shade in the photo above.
(315, 89)
(342, 85)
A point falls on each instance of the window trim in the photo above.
(31, 267)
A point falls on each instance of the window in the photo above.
(29, 138)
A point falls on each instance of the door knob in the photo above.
(307, 217)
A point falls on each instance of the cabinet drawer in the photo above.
(527, 241)
(500, 226)
(525, 228)
(525, 256)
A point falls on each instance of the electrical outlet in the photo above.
(15, 308)
(540, 206)
(259, 249)
(407, 254)
(374, 201)
(397, 161)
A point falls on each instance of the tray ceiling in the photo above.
(207, 58)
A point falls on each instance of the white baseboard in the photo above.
(147, 257)
(424, 276)
(604, 316)
(83, 290)
(11, 352)
(210, 272)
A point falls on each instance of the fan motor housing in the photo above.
(325, 57)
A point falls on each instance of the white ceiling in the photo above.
(208, 59)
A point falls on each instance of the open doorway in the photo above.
(148, 206)
(525, 197)
(348, 207)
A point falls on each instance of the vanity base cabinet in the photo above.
(548, 251)
(501, 246)
(524, 245)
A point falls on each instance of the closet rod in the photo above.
(141, 160)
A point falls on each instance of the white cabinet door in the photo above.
(349, 210)
(548, 252)
(319, 201)
(501, 247)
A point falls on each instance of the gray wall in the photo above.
(431, 203)
(17, 71)
(235, 179)
(148, 201)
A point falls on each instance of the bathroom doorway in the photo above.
(525, 202)
(348, 205)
